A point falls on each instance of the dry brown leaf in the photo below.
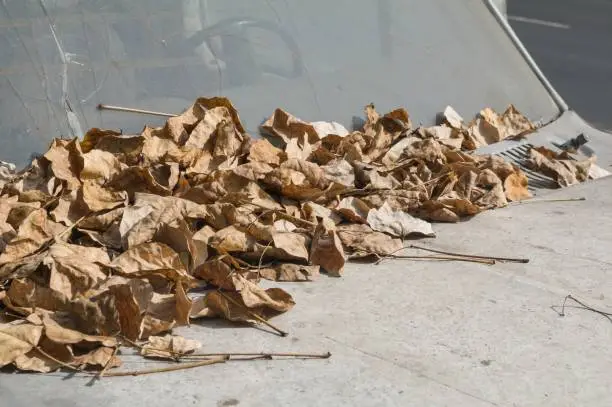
(17, 340)
(74, 269)
(130, 302)
(452, 118)
(264, 303)
(35, 361)
(70, 208)
(66, 161)
(284, 125)
(169, 347)
(353, 209)
(445, 135)
(494, 196)
(290, 246)
(340, 171)
(326, 249)
(178, 236)
(515, 124)
(101, 357)
(140, 221)
(151, 258)
(200, 309)
(99, 166)
(563, 170)
(217, 272)
(361, 240)
(325, 129)
(58, 334)
(183, 305)
(313, 212)
(397, 223)
(232, 239)
(253, 171)
(98, 198)
(515, 187)
(289, 272)
(35, 231)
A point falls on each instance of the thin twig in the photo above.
(262, 255)
(132, 110)
(172, 368)
(528, 201)
(64, 364)
(443, 258)
(251, 313)
(231, 355)
(471, 256)
(607, 315)
(108, 363)
(282, 214)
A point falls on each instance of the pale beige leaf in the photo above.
(59, 334)
(325, 129)
(263, 151)
(101, 357)
(397, 223)
(353, 209)
(151, 258)
(289, 272)
(75, 269)
(99, 166)
(326, 250)
(515, 187)
(34, 232)
(98, 198)
(169, 347)
(66, 161)
(287, 127)
(340, 171)
(17, 340)
(361, 240)
(453, 118)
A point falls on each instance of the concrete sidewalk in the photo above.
(408, 333)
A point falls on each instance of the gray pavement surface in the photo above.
(570, 41)
(412, 333)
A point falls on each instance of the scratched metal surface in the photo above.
(321, 60)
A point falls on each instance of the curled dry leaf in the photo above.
(558, 167)
(326, 249)
(515, 187)
(289, 272)
(397, 223)
(362, 241)
(249, 299)
(169, 347)
(17, 340)
(353, 209)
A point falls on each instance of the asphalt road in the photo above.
(571, 40)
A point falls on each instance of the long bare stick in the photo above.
(64, 364)
(251, 313)
(471, 256)
(132, 110)
(529, 201)
(108, 363)
(443, 258)
(179, 366)
(265, 354)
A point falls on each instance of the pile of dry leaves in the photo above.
(117, 239)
